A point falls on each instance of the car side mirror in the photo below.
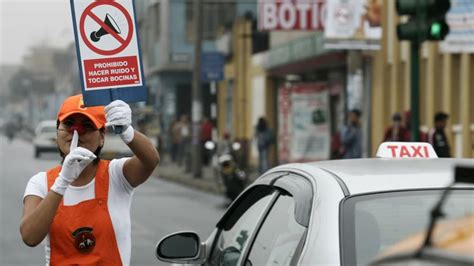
(179, 247)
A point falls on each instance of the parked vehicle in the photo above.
(226, 167)
(339, 212)
(45, 138)
(234, 179)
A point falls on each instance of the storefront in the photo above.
(311, 98)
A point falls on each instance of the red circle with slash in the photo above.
(88, 13)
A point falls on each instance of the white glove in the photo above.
(73, 165)
(118, 113)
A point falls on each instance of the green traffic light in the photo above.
(436, 30)
(427, 19)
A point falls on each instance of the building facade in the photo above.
(446, 84)
(296, 78)
(168, 51)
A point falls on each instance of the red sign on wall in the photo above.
(291, 15)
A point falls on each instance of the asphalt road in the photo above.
(159, 208)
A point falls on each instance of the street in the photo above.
(158, 208)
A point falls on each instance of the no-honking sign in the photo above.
(108, 51)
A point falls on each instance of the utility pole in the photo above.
(415, 90)
(196, 92)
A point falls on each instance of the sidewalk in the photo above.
(209, 180)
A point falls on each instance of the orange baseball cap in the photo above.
(75, 105)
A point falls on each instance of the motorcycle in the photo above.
(234, 179)
(226, 168)
(10, 133)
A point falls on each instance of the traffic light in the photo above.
(427, 19)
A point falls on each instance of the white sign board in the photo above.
(460, 19)
(304, 123)
(354, 24)
(291, 14)
(107, 45)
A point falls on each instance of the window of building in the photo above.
(156, 26)
(215, 14)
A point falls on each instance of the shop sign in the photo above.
(280, 55)
(296, 50)
(460, 19)
(291, 14)
(353, 24)
(303, 48)
(212, 66)
(304, 123)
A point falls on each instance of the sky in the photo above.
(25, 23)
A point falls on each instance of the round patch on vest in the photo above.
(84, 239)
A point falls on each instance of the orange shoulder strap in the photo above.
(52, 174)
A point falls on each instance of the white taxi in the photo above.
(339, 212)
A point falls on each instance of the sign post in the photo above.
(196, 163)
(108, 51)
(212, 66)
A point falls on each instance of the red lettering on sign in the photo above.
(393, 148)
(417, 151)
(111, 72)
(292, 15)
(404, 152)
(427, 154)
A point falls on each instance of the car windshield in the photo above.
(44, 130)
(371, 223)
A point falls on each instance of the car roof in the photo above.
(356, 176)
(47, 123)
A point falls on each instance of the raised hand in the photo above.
(73, 165)
(119, 113)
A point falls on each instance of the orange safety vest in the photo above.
(83, 234)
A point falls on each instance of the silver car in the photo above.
(341, 212)
(45, 138)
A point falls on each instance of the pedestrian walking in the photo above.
(437, 136)
(337, 149)
(206, 135)
(81, 208)
(351, 136)
(265, 138)
(185, 143)
(423, 135)
(175, 136)
(396, 131)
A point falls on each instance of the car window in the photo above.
(238, 225)
(374, 222)
(47, 130)
(279, 235)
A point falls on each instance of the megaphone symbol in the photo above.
(110, 22)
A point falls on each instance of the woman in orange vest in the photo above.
(82, 207)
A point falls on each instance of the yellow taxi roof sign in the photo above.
(406, 150)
